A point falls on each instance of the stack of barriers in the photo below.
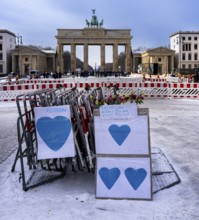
(35, 172)
(82, 104)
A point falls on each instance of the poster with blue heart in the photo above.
(122, 136)
(54, 132)
(123, 178)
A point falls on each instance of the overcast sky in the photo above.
(151, 21)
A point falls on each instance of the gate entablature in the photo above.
(94, 36)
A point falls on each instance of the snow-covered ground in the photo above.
(174, 128)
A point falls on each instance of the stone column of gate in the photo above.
(58, 67)
(73, 58)
(61, 63)
(85, 57)
(128, 58)
(61, 59)
(115, 57)
(102, 51)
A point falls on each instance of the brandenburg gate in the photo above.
(94, 34)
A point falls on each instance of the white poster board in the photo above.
(122, 136)
(123, 111)
(123, 177)
(54, 132)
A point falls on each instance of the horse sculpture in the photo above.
(101, 23)
(87, 23)
(94, 21)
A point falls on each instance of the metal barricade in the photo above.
(27, 144)
(52, 169)
(84, 152)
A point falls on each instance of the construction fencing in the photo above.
(147, 89)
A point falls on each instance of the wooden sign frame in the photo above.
(125, 176)
(126, 151)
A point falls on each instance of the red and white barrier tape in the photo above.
(148, 89)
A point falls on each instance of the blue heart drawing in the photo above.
(135, 177)
(54, 131)
(119, 133)
(109, 176)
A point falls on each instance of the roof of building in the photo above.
(28, 49)
(49, 51)
(159, 50)
(7, 32)
(184, 32)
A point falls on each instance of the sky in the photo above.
(151, 21)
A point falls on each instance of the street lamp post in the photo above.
(18, 42)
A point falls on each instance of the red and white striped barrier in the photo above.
(18, 87)
(148, 89)
(155, 80)
(43, 81)
(183, 90)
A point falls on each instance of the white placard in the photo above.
(54, 132)
(123, 177)
(122, 111)
(123, 137)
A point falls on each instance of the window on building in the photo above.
(1, 56)
(195, 46)
(183, 66)
(183, 56)
(159, 59)
(189, 56)
(195, 65)
(195, 56)
(186, 47)
(26, 59)
(189, 38)
(189, 66)
(183, 38)
(1, 47)
(1, 68)
(195, 38)
(1, 37)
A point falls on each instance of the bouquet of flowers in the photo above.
(118, 98)
(115, 98)
(121, 99)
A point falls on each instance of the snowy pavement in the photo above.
(174, 128)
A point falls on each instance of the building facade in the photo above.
(158, 60)
(7, 43)
(186, 46)
(26, 58)
(136, 61)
